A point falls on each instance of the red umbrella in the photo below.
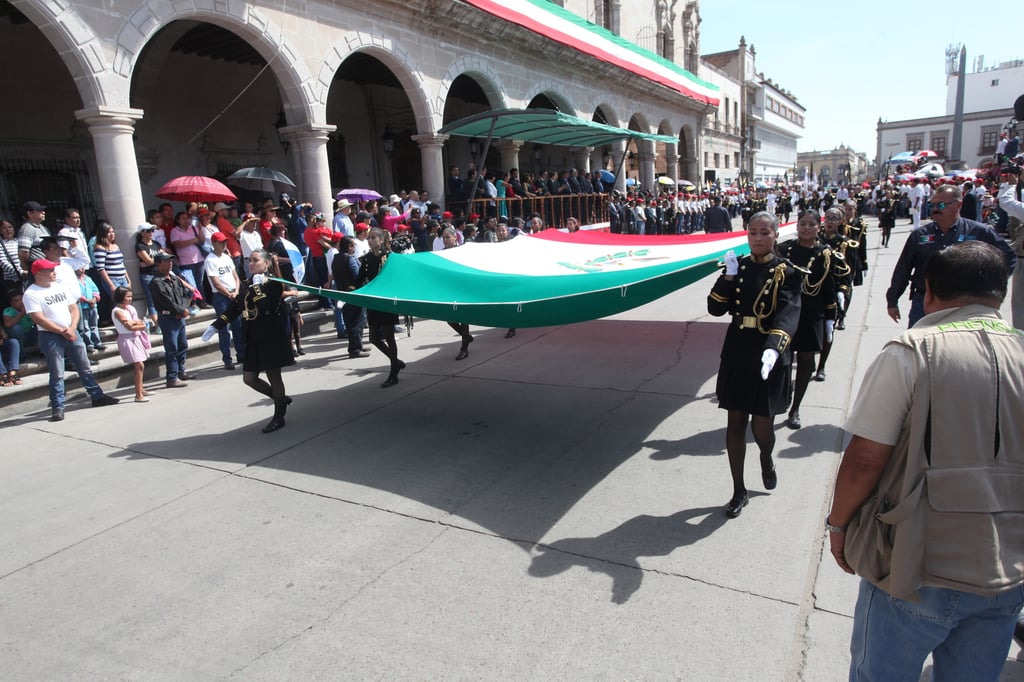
(926, 154)
(195, 188)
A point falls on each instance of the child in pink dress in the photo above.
(132, 339)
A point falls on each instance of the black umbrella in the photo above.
(261, 179)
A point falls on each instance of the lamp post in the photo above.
(280, 123)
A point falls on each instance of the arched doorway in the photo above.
(211, 107)
(44, 149)
(465, 98)
(372, 112)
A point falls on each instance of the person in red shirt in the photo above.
(318, 238)
(229, 230)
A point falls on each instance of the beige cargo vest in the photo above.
(949, 509)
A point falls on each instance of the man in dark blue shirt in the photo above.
(947, 229)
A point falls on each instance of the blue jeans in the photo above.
(146, 279)
(355, 321)
(967, 634)
(224, 338)
(55, 347)
(89, 326)
(25, 337)
(10, 351)
(175, 344)
(193, 274)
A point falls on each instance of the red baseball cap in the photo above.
(41, 264)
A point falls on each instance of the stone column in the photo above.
(620, 165)
(581, 158)
(646, 158)
(309, 142)
(432, 161)
(509, 150)
(672, 161)
(120, 188)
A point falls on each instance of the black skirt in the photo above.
(810, 335)
(743, 389)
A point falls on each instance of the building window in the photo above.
(717, 159)
(726, 111)
(725, 157)
(606, 14)
(736, 159)
(989, 140)
(706, 159)
(939, 145)
(995, 82)
(914, 144)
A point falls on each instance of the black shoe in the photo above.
(104, 400)
(358, 354)
(274, 424)
(841, 325)
(57, 414)
(401, 365)
(794, 421)
(736, 505)
(510, 333)
(229, 365)
(463, 354)
(820, 376)
(769, 478)
(299, 351)
(390, 381)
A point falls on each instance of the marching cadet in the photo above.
(817, 302)
(761, 294)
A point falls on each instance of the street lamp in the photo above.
(280, 123)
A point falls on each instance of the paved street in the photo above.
(550, 508)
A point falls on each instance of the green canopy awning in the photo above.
(544, 126)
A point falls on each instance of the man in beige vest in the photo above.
(929, 499)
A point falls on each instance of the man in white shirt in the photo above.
(71, 231)
(223, 277)
(916, 196)
(55, 311)
(250, 240)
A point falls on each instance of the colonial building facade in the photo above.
(115, 97)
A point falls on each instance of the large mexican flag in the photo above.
(551, 278)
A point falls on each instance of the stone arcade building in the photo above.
(112, 98)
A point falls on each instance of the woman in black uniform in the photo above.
(817, 302)
(381, 324)
(267, 348)
(761, 293)
(886, 216)
(842, 276)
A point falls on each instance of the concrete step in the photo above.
(111, 372)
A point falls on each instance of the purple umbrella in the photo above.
(358, 194)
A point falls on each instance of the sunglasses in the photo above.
(939, 205)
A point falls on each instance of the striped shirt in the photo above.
(110, 260)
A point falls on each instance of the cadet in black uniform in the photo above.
(842, 276)
(886, 216)
(267, 348)
(856, 231)
(380, 324)
(817, 303)
(761, 293)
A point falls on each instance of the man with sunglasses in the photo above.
(946, 229)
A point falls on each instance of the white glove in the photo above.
(732, 263)
(841, 300)
(210, 332)
(259, 279)
(339, 304)
(768, 358)
(830, 330)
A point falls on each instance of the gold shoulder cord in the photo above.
(763, 309)
(812, 289)
(842, 266)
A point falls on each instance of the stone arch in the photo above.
(390, 53)
(266, 37)
(640, 121)
(76, 44)
(480, 71)
(610, 113)
(553, 90)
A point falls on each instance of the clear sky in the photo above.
(850, 66)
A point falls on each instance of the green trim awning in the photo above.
(544, 126)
